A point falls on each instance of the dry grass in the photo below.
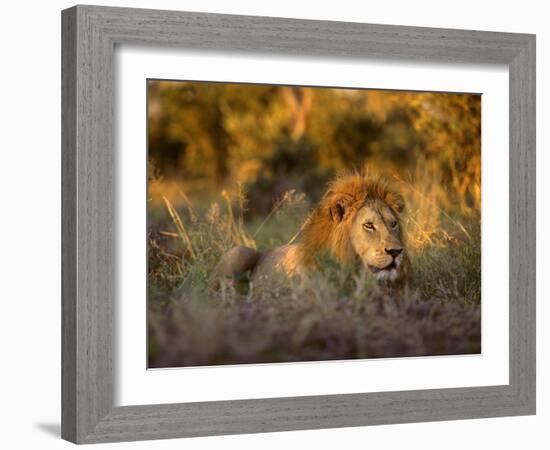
(338, 313)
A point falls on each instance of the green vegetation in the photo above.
(338, 313)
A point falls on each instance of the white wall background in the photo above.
(30, 79)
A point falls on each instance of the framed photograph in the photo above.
(277, 224)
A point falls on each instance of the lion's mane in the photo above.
(328, 226)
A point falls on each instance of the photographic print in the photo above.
(294, 223)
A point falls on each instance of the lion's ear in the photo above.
(395, 202)
(337, 209)
(337, 212)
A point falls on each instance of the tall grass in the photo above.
(337, 313)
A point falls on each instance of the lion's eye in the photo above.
(394, 224)
(368, 226)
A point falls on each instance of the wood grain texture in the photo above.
(522, 281)
(68, 225)
(89, 36)
(88, 210)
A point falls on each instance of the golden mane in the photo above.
(328, 226)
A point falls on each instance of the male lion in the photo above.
(357, 217)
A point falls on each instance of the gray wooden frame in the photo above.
(89, 37)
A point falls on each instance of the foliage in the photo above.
(210, 136)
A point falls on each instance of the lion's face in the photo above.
(376, 238)
(359, 217)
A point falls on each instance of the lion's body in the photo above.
(287, 259)
(358, 217)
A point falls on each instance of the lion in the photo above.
(358, 217)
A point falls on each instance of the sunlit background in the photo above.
(209, 138)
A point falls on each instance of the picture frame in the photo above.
(89, 37)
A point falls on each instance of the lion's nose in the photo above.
(394, 252)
